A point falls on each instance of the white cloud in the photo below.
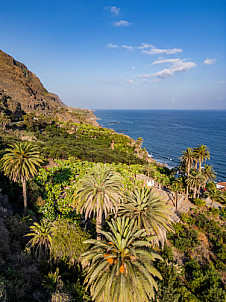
(147, 48)
(129, 81)
(220, 99)
(127, 47)
(121, 23)
(173, 100)
(176, 65)
(110, 45)
(132, 67)
(145, 45)
(114, 10)
(144, 75)
(156, 51)
(209, 61)
(223, 82)
(162, 61)
(150, 49)
(163, 74)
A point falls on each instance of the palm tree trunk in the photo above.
(99, 225)
(200, 166)
(176, 200)
(196, 164)
(199, 187)
(186, 195)
(194, 194)
(188, 168)
(24, 196)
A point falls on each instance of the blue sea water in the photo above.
(166, 133)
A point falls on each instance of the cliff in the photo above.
(21, 88)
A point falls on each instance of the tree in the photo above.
(41, 239)
(188, 158)
(148, 210)
(120, 267)
(21, 163)
(177, 187)
(150, 170)
(99, 192)
(208, 173)
(215, 195)
(202, 154)
(4, 120)
(194, 180)
(67, 241)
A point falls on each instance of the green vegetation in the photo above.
(91, 187)
(99, 192)
(20, 163)
(121, 266)
(148, 211)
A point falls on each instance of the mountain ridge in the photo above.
(19, 84)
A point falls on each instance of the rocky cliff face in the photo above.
(22, 86)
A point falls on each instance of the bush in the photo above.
(187, 219)
(184, 239)
(199, 202)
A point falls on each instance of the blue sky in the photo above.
(131, 54)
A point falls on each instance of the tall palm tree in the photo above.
(188, 159)
(41, 239)
(148, 210)
(202, 154)
(21, 163)
(120, 267)
(194, 180)
(208, 173)
(99, 192)
(177, 187)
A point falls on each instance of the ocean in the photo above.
(166, 133)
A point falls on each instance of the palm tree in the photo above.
(41, 239)
(188, 158)
(20, 163)
(202, 154)
(177, 187)
(194, 180)
(215, 195)
(148, 210)
(208, 173)
(151, 170)
(120, 267)
(99, 192)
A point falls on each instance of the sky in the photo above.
(130, 54)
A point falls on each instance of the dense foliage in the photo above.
(43, 256)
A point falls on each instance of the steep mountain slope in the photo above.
(18, 84)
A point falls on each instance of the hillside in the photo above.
(22, 89)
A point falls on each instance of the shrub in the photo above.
(199, 202)
(187, 219)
